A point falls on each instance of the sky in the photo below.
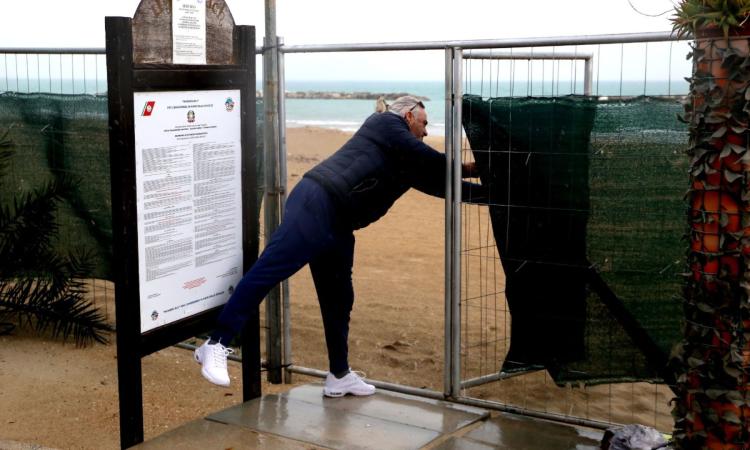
(80, 23)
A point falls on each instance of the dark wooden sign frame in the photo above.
(124, 78)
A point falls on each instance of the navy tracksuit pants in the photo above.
(307, 234)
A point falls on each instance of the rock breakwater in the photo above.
(328, 95)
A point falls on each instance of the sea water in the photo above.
(348, 115)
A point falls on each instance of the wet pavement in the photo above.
(302, 418)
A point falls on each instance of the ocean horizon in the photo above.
(348, 114)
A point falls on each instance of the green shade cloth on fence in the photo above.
(64, 135)
(57, 135)
(587, 213)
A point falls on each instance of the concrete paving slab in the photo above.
(323, 426)
(302, 418)
(208, 435)
(506, 431)
(458, 443)
(437, 415)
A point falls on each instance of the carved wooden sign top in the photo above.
(152, 32)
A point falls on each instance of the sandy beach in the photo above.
(61, 396)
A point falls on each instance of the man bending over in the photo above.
(350, 190)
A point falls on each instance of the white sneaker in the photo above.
(213, 358)
(352, 383)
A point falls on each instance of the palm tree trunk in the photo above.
(712, 409)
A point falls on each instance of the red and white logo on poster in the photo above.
(148, 108)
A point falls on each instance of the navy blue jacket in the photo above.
(378, 165)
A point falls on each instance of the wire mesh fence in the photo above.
(571, 280)
(618, 156)
(52, 104)
(54, 72)
(397, 322)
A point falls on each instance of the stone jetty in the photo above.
(327, 95)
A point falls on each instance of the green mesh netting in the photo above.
(58, 134)
(587, 212)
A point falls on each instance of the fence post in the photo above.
(286, 310)
(456, 233)
(448, 215)
(271, 209)
(452, 363)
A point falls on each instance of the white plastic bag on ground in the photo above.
(633, 437)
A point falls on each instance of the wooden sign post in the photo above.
(181, 89)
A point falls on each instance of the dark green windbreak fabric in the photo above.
(64, 135)
(587, 213)
(59, 134)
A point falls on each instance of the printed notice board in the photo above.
(189, 201)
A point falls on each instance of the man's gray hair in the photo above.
(404, 104)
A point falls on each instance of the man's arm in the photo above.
(469, 170)
(423, 165)
(428, 176)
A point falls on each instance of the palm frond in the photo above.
(53, 300)
(40, 287)
(693, 15)
(28, 227)
(6, 153)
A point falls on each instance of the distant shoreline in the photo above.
(332, 95)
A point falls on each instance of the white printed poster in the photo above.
(189, 200)
(189, 31)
